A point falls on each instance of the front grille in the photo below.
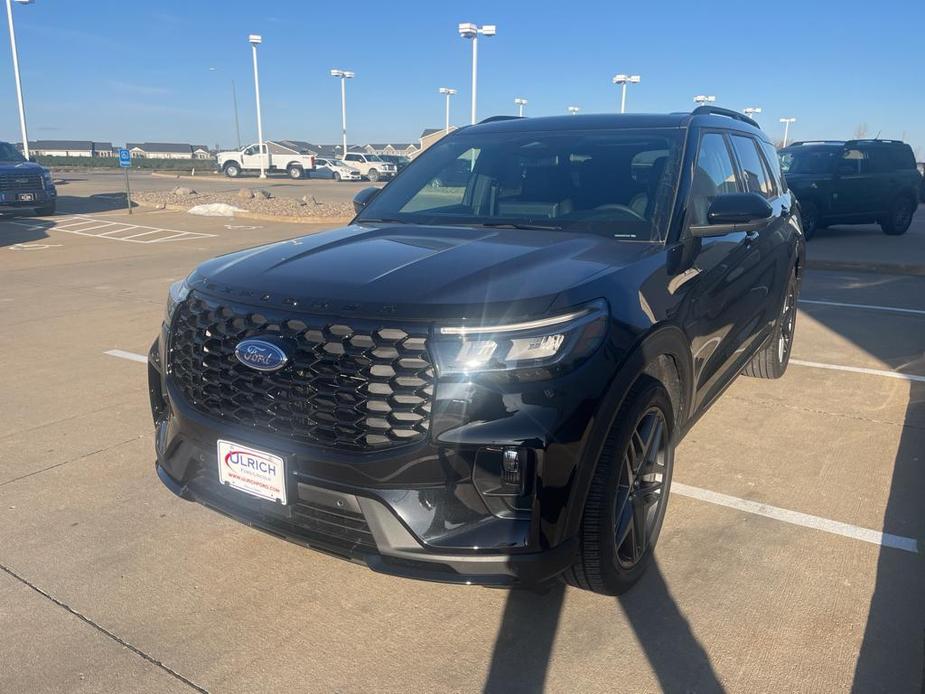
(349, 384)
(16, 182)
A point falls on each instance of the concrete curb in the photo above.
(254, 215)
(164, 174)
(884, 268)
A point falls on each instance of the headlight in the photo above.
(47, 179)
(541, 346)
(177, 294)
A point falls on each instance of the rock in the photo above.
(183, 190)
(215, 209)
(310, 200)
(246, 193)
(261, 193)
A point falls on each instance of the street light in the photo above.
(623, 80)
(448, 92)
(787, 122)
(255, 40)
(520, 104)
(468, 30)
(22, 108)
(234, 100)
(573, 110)
(700, 99)
(344, 75)
(750, 111)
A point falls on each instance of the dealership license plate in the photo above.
(249, 470)
(26, 197)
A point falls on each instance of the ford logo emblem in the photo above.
(260, 355)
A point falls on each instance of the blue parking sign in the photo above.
(125, 158)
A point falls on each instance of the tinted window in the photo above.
(756, 177)
(808, 161)
(9, 153)
(353, 157)
(900, 157)
(616, 183)
(714, 174)
(854, 162)
(773, 160)
(880, 159)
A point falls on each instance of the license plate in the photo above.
(249, 470)
(26, 197)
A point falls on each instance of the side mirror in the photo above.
(363, 198)
(734, 212)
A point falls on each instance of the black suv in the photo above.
(485, 382)
(853, 182)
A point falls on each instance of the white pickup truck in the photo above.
(274, 158)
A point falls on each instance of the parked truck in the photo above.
(272, 156)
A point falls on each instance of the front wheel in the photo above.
(337, 176)
(899, 218)
(629, 494)
(232, 170)
(373, 175)
(772, 360)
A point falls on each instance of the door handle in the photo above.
(751, 236)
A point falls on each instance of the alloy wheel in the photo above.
(787, 322)
(640, 489)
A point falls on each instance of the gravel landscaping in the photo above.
(251, 201)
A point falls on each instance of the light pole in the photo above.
(255, 40)
(787, 122)
(344, 75)
(700, 99)
(520, 104)
(448, 92)
(750, 111)
(22, 108)
(573, 110)
(468, 30)
(623, 80)
(234, 101)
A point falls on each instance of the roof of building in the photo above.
(171, 147)
(61, 144)
(102, 146)
(431, 131)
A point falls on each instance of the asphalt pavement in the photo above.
(790, 559)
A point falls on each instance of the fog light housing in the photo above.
(512, 467)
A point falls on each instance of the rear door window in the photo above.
(772, 158)
(756, 176)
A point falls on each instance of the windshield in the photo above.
(617, 183)
(372, 157)
(9, 153)
(340, 162)
(808, 161)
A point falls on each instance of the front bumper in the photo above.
(430, 510)
(10, 202)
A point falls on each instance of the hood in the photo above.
(28, 167)
(417, 272)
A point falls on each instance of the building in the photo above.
(405, 149)
(431, 135)
(68, 148)
(166, 150)
(201, 152)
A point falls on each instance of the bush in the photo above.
(137, 164)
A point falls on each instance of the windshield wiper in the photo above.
(518, 225)
(382, 220)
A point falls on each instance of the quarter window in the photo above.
(773, 160)
(756, 177)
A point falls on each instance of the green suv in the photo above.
(853, 182)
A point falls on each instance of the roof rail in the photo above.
(494, 119)
(874, 139)
(816, 142)
(719, 111)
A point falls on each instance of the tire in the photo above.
(46, 211)
(615, 501)
(897, 222)
(373, 175)
(337, 176)
(232, 170)
(295, 172)
(772, 360)
(809, 219)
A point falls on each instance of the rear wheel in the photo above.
(897, 222)
(373, 175)
(809, 217)
(232, 170)
(772, 360)
(295, 171)
(629, 494)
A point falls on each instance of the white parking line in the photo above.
(131, 356)
(77, 224)
(875, 537)
(867, 307)
(860, 370)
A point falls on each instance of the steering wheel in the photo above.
(620, 208)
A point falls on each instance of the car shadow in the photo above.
(92, 204)
(526, 635)
(18, 231)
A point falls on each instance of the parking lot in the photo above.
(790, 559)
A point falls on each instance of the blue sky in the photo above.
(139, 70)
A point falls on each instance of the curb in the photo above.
(254, 215)
(159, 174)
(867, 266)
